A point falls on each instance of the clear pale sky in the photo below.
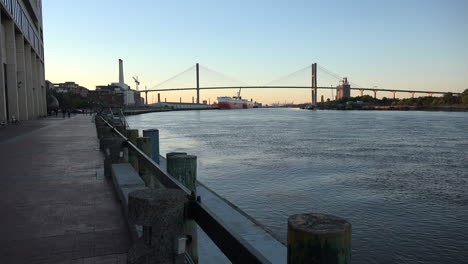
(409, 44)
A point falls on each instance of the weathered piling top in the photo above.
(56, 205)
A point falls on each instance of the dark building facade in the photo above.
(107, 96)
(113, 95)
(22, 83)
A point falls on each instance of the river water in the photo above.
(400, 178)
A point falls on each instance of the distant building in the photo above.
(22, 84)
(107, 96)
(116, 94)
(343, 90)
(70, 87)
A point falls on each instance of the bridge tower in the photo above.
(198, 84)
(314, 84)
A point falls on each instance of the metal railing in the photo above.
(236, 249)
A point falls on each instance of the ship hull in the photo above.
(234, 105)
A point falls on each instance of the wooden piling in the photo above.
(183, 167)
(160, 212)
(318, 238)
(154, 135)
(144, 144)
(132, 135)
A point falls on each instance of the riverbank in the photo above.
(164, 107)
(440, 108)
(444, 108)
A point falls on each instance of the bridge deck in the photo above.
(292, 87)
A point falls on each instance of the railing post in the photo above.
(132, 135)
(144, 144)
(154, 135)
(161, 213)
(183, 167)
(318, 238)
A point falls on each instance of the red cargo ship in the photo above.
(235, 102)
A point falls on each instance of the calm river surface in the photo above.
(400, 178)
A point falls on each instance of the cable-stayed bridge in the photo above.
(304, 78)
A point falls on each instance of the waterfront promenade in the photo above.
(56, 205)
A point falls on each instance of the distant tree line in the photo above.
(71, 100)
(446, 99)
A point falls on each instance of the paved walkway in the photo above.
(56, 207)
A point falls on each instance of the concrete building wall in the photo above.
(21, 78)
(29, 83)
(3, 112)
(22, 82)
(34, 83)
(43, 86)
(12, 84)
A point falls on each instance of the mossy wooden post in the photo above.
(161, 213)
(144, 144)
(132, 135)
(318, 238)
(170, 154)
(154, 135)
(125, 155)
(121, 129)
(183, 167)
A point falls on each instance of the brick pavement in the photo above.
(56, 207)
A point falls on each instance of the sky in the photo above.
(411, 44)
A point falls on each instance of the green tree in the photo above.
(464, 97)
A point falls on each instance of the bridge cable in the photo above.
(339, 77)
(172, 78)
(224, 76)
(287, 76)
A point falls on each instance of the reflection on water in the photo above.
(400, 178)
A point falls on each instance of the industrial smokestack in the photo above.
(121, 76)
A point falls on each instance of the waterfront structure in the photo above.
(343, 90)
(116, 94)
(22, 83)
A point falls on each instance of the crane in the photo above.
(137, 82)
